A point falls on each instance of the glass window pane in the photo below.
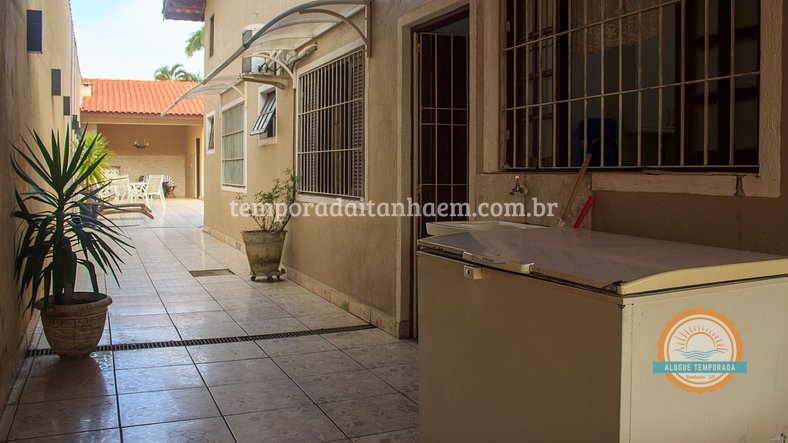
(577, 53)
(671, 34)
(629, 129)
(719, 122)
(649, 133)
(546, 150)
(594, 60)
(670, 130)
(611, 39)
(611, 125)
(694, 99)
(650, 39)
(745, 121)
(747, 36)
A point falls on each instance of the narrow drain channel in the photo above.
(209, 341)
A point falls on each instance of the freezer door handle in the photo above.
(472, 272)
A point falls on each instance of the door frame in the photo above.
(407, 24)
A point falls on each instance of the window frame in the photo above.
(562, 146)
(312, 197)
(30, 20)
(232, 187)
(262, 93)
(210, 132)
(765, 183)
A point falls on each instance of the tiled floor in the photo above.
(360, 385)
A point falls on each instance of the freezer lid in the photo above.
(618, 263)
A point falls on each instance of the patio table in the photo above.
(136, 189)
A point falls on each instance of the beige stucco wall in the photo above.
(171, 151)
(26, 102)
(369, 261)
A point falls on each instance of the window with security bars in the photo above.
(331, 128)
(233, 138)
(209, 133)
(636, 84)
(265, 126)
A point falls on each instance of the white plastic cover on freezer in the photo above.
(618, 263)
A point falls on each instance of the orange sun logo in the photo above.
(699, 337)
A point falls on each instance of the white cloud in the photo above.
(132, 40)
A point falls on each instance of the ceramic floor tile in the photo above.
(364, 337)
(299, 309)
(224, 293)
(401, 352)
(145, 335)
(295, 345)
(166, 406)
(137, 309)
(373, 415)
(337, 320)
(158, 379)
(402, 377)
(69, 385)
(225, 352)
(54, 365)
(217, 330)
(16, 393)
(256, 301)
(257, 313)
(139, 321)
(292, 425)
(86, 414)
(206, 430)
(272, 326)
(258, 396)
(6, 419)
(404, 436)
(338, 386)
(200, 318)
(240, 371)
(193, 296)
(151, 358)
(103, 436)
(300, 365)
(192, 306)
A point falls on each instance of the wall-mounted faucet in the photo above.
(518, 188)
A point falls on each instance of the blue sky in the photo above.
(129, 39)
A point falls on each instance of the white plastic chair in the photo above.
(155, 188)
(120, 186)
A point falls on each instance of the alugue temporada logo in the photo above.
(700, 351)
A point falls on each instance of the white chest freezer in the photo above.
(565, 335)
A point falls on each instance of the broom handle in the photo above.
(580, 176)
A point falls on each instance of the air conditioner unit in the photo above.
(253, 65)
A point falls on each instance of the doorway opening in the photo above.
(440, 124)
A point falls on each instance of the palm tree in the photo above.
(175, 72)
(195, 41)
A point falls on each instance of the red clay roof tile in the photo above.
(140, 97)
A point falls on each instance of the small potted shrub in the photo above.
(58, 234)
(270, 210)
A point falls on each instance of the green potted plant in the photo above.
(59, 234)
(270, 210)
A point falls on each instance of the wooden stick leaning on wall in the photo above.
(578, 179)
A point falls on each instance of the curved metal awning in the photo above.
(290, 32)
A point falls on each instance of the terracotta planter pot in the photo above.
(264, 252)
(74, 331)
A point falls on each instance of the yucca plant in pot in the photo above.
(59, 234)
(270, 210)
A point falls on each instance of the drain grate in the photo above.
(209, 341)
(211, 273)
